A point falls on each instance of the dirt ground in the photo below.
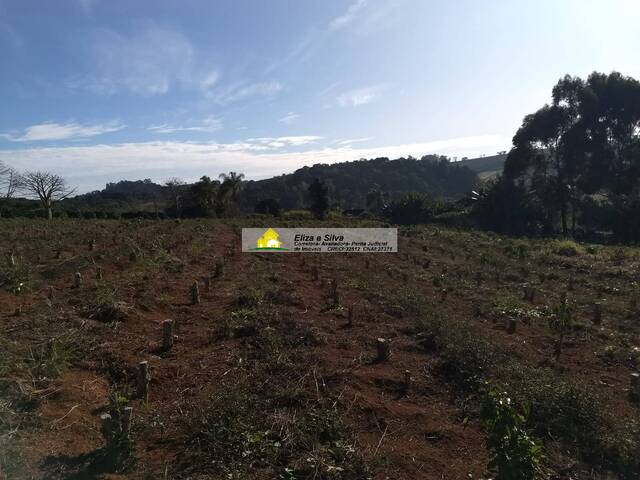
(54, 395)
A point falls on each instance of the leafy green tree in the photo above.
(319, 197)
(232, 184)
(585, 143)
(268, 206)
(205, 193)
(376, 199)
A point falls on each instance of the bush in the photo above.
(268, 206)
(411, 208)
(567, 248)
(513, 453)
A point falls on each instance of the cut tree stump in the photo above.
(167, 335)
(384, 349)
(143, 380)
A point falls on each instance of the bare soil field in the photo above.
(271, 369)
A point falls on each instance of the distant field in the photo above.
(485, 167)
(269, 377)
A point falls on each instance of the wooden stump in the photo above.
(143, 380)
(335, 296)
(511, 325)
(127, 417)
(195, 293)
(597, 313)
(167, 335)
(107, 428)
(77, 280)
(219, 268)
(634, 386)
(408, 381)
(383, 347)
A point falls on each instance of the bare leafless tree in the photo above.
(46, 187)
(9, 179)
(176, 187)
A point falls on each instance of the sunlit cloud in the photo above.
(90, 166)
(360, 96)
(61, 131)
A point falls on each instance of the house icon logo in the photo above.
(270, 240)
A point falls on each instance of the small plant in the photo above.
(514, 455)
(561, 320)
(116, 430)
(567, 248)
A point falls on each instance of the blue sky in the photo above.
(102, 90)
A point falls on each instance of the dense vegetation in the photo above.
(349, 183)
(360, 185)
(575, 164)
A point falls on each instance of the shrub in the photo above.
(567, 248)
(411, 208)
(513, 453)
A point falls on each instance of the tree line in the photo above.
(574, 167)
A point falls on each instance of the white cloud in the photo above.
(289, 118)
(64, 131)
(360, 96)
(90, 166)
(345, 19)
(210, 124)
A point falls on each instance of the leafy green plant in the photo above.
(567, 248)
(514, 455)
(561, 320)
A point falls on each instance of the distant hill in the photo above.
(485, 166)
(349, 182)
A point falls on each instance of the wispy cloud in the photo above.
(145, 62)
(87, 6)
(239, 91)
(280, 142)
(289, 118)
(348, 17)
(360, 96)
(354, 140)
(61, 131)
(190, 160)
(210, 124)
(209, 81)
